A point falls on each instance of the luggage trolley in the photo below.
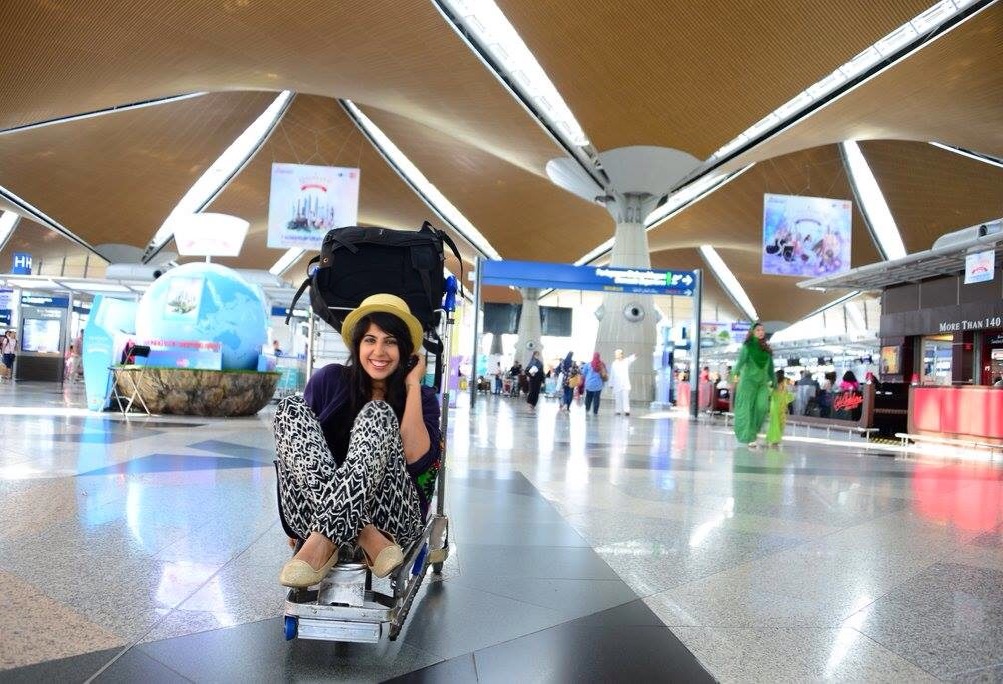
(345, 606)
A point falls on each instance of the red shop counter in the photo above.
(960, 412)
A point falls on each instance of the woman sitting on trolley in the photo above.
(358, 454)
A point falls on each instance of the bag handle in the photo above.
(302, 288)
(452, 245)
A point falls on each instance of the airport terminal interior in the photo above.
(631, 192)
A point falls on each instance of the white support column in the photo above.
(628, 321)
(529, 326)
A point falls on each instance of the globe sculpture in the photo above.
(202, 302)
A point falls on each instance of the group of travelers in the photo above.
(571, 382)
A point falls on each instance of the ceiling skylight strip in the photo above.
(35, 214)
(872, 203)
(217, 176)
(728, 281)
(100, 112)
(419, 183)
(494, 34)
(286, 261)
(8, 221)
(895, 46)
(975, 156)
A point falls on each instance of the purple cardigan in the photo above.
(326, 393)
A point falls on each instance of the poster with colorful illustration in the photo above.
(307, 201)
(806, 236)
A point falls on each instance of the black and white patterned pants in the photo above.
(371, 486)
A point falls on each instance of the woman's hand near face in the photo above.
(416, 374)
(414, 434)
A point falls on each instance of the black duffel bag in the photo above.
(356, 262)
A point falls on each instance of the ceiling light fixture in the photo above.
(216, 177)
(291, 256)
(100, 112)
(992, 161)
(872, 203)
(486, 24)
(417, 180)
(893, 47)
(8, 222)
(728, 281)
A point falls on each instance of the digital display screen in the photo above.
(41, 335)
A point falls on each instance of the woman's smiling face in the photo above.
(379, 354)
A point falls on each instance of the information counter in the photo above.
(974, 413)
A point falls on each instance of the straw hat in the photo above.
(385, 303)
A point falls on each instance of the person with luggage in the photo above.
(595, 376)
(359, 452)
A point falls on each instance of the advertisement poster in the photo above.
(890, 360)
(183, 298)
(307, 201)
(806, 236)
(714, 334)
(980, 267)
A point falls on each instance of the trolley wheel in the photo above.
(437, 568)
(290, 626)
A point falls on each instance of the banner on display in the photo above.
(715, 334)
(806, 236)
(980, 267)
(602, 278)
(307, 201)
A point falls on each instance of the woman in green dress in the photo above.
(754, 372)
(780, 399)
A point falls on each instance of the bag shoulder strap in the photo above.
(302, 288)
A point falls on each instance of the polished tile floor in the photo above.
(586, 548)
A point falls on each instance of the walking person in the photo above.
(8, 351)
(780, 399)
(754, 372)
(534, 374)
(595, 376)
(359, 452)
(619, 382)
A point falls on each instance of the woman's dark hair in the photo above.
(780, 377)
(360, 385)
(848, 376)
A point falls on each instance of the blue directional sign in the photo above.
(22, 264)
(601, 278)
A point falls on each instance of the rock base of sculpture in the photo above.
(193, 392)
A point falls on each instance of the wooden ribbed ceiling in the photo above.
(65, 58)
(931, 191)
(115, 178)
(525, 216)
(315, 130)
(51, 253)
(675, 74)
(950, 92)
(692, 76)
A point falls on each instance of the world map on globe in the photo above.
(202, 302)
